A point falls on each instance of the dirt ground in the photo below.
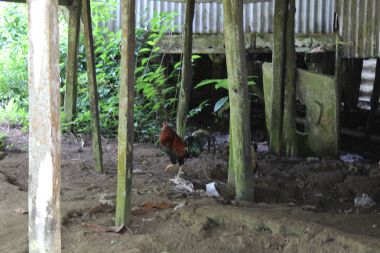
(302, 205)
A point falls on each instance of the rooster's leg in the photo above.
(180, 172)
(169, 167)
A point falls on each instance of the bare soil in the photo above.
(302, 205)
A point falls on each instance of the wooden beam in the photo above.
(289, 124)
(44, 128)
(60, 2)
(239, 100)
(338, 87)
(185, 87)
(72, 62)
(125, 131)
(254, 43)
(94, 107)
(279, 61)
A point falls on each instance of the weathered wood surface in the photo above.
(338, 89)
(289, 124)
(126, 100)
(374, 102)
(92, 86)
(60, 2)
(72, 61)
(239, 100)
(187, 72)
(254, 43)
(44, 128)
(279, 63)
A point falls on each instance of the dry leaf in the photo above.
(150, 207)
(103, 229)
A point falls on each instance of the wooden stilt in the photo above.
(44, 128)
(72, 62)
(94, 107)
(185, 88)
(125, 132)
(239, 100)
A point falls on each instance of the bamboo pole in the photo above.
(125, 131)
(72, 62)
(185, 87)
(374, 102)
(239, 100)
(44, 128)
(289, 122)
(94, 107)
(279, 56)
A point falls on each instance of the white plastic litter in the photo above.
(351, 158)
(262, 147)
(364, 201)
(211, 190)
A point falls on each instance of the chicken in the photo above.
(178, 149)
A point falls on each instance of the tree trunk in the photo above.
(126, 100)
(72, 62)
(289, 124)
(44, 128)
(93, 90)
(279, 59)
(374, 102)
(185, 88)
(239, 100)
(231, 172)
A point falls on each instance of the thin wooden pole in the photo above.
(374, 102)
(185, 88)
(279, 56)
(289, 122)
(72, 62)
(44, 128)
(93, 90)
(338, 87)
(125, 132)
(239, 100)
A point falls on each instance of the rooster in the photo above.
(178, 149)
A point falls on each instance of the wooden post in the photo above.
(72, 62)
(279, 56)
(289, 122)
(44, 128)
(185, 88)
(125, 132)
(374, 102)
(231, 172)
(90, 59)
(239, 100)
(338, 86)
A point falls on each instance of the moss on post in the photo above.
(92, 87)
(125, 131)
(185, 88)
(289, 121)
(72, 62)
(239, 100)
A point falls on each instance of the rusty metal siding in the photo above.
(366, 86)
(313, 16)
(360, 24)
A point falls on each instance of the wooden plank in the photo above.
(72, 62)
(44, 128)
(239, 100)
(277, 94)
(289, 124)
(125, 131)
(185, 87)
(94, 108)
(60, 2)
(254, 43)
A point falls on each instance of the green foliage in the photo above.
(13, 114)
(3, 138)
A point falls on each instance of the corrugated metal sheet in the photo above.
(313, 16)
(366, 86)
(360, 24)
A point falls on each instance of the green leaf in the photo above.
(221, 102)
